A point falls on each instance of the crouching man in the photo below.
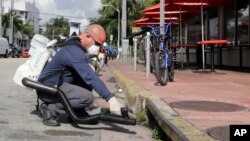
(77, 79)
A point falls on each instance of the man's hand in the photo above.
(115, 106)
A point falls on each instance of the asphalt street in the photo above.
(19, 121)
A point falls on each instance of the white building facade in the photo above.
(28, 13)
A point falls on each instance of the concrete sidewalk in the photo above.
(196, 106)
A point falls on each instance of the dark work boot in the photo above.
(48, 118)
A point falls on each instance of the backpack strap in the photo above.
(51, 75)
(72, 41)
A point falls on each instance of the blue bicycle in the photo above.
(162, 56)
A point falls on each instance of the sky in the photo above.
(74, 8)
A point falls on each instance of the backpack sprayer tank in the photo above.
(39, 54)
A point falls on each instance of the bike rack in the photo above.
(135, 53)
(148, 55)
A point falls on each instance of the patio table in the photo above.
(212, 43)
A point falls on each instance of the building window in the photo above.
(26, 15)
(230, 23)
(243, 22)
(213, 24)
(194, 30)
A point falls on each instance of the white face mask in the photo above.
(93, 50)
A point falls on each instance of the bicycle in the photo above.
(162, 58)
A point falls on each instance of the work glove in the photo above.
(115, 106)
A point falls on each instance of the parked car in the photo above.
(25, 53)
(4, 47)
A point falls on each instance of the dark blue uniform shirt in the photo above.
(78, 70)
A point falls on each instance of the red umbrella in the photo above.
(171, 8)
(172, 12)
(209, 3)
(153, 21)
(184, 8)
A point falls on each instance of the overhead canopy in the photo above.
(173, 8)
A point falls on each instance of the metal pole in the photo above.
(135, 53)
(119, 35)
(118, 28)
(11, 23)
(182, 59)
(148, 54)
(202, 37)
(162, 15)
(124, 19)
(53, 34)
(119, 22)
(1, 3)
(124, 26)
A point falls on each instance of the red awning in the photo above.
(153, 21)
(212, 3)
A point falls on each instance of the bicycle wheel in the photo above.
(171, 73)
(160, 70)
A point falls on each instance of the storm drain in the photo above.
(219, 133)
(3, 109)
(66, 133)
(4, 122)
(208, 106)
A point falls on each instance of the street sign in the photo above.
(125, 45)
(111, 37)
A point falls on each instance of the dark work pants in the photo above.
(78, 97)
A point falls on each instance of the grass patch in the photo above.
(157, 134)
(146, 119)
(141, 118)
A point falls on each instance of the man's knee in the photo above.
(88, 97)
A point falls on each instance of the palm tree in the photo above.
(5, 22)
(108, 17)
(57, 26)
(134, 7)
(18, 25)
(27, 29)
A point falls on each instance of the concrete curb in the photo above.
(176, 128)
